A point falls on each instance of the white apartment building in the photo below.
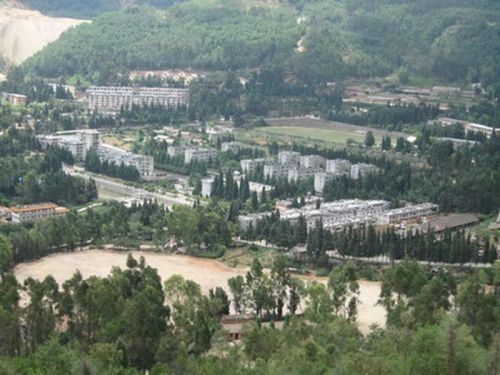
(407, 213)
(207, 185)
(297, 174)
(251, 165)
(333, 215)
(175, 151)
(115, 155)
(258, 188)
(78, 142)
(338, 166)
(289, 157)
(362, 169)
(230, 146)
(113, 98)
(320, 180)
(277, 170)
(198, 154)
(312, 161)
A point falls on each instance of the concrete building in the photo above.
(468, 126)
(458, 143)
(23, 214)
(338, 166)
(175, 151)
(312, 161)
(230, 146)
(407, 213)
(451, 221)
(198, 154)
(289, 157)
(14, 99)
(277, 170)
(297, 174)
(114, 98)
(333, 215)
(115, 155)
(251, 165)
(251, 220)
(78, 142)
(207, 185)
(258, 188)
(362, 169)
(320, 180)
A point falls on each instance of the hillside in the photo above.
(89, 8)
(24, 32)
(449, 40)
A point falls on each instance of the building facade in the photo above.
(251, 165)
(198, 154)
(143, 163)
(338, 166)
(289, 157)
(78, 142)
(312, 161)
(114, 98)
(23, 214)
(362, 169)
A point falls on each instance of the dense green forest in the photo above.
(88, 8)
(131, 321)
(448, 40)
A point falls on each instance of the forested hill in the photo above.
(447, 40)
(89, 8)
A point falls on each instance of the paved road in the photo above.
(112, 185)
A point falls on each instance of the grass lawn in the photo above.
(325, 135)
(242, 257)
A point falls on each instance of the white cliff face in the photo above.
(24, 32)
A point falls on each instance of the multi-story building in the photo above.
(230, 146)
(338, 166)
(312, 161)
(14, 99)
(297, 174)
(198, 154)
(22, 214)
(289, 157)
(362, 169)
(114, 98)
(175, 151)
(207, 185)
(78, 142)
(320, 180)
(407, 213)
(115, 155)
(333, 215)
(277, 170)
(251, 165)
(251, 220)
(258, 188)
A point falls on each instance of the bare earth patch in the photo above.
(208, 273)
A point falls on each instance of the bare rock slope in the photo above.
(24, 32)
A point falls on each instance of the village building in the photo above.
(33, 212)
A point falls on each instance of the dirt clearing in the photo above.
(208, 273)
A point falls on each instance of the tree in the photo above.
(236, 286)
(369, 139)
(6, 255)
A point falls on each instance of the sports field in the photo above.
(316, 134)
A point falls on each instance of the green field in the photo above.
(325, 135)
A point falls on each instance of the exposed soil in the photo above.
(208, 273)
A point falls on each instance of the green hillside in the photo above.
(442, 40)
(88, 8)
